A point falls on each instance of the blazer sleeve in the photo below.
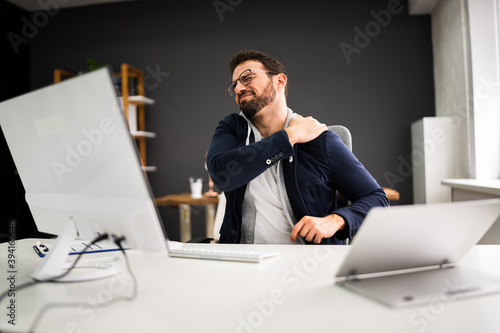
(232, 164)
(350, 177)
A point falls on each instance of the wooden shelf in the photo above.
(138, 100)
(133, 103)
(143, 134)
(148, 168)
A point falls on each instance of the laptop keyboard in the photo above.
(218, 254)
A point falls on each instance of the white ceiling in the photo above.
(31, 5)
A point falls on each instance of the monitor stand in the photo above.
(54, 264)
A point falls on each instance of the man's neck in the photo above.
(271, 118)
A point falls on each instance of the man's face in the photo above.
(253, 97)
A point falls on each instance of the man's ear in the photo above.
(282, 80)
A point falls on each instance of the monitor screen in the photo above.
(77, 161)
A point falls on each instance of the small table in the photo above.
(184, 201)
(392, 195)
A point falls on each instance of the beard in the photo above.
(251, 107)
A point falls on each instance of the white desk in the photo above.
(477, 189)
(473, 189)
(292, 293)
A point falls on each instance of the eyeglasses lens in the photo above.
(245, 78)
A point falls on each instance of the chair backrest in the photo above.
(344, 134)
(346, 137)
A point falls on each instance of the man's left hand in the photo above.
(314, 229)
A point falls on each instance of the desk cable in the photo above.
(118, 241)
(53, 279)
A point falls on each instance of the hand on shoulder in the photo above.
(303, 129)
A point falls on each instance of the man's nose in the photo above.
(239, 88)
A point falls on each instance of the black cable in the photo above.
(23, 286)
(87, 246)
(118, 242)
(47, 307)
(31, 283)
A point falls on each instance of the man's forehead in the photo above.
(246, 65)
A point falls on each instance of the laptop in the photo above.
(406, 255)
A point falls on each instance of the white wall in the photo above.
(485, 78)
(453, 85)
(466, 77)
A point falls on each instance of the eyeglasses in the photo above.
(245, 78)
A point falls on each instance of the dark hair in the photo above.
(270, 63)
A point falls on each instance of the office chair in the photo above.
(344, 134)
(346, 137)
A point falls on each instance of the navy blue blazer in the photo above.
(313, 172)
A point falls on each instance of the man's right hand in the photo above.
(304, 129)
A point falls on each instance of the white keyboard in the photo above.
(218, 254)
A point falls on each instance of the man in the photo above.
(280, 171)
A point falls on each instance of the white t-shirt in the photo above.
(267, 220)
(271, 224)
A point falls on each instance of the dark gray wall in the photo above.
(386, 85)
(14, 81)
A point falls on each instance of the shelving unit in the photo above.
(134, 105)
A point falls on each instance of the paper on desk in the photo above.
(76, 247)
(172, 245)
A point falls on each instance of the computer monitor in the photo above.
(80, 167)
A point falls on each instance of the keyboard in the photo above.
(225, 255)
